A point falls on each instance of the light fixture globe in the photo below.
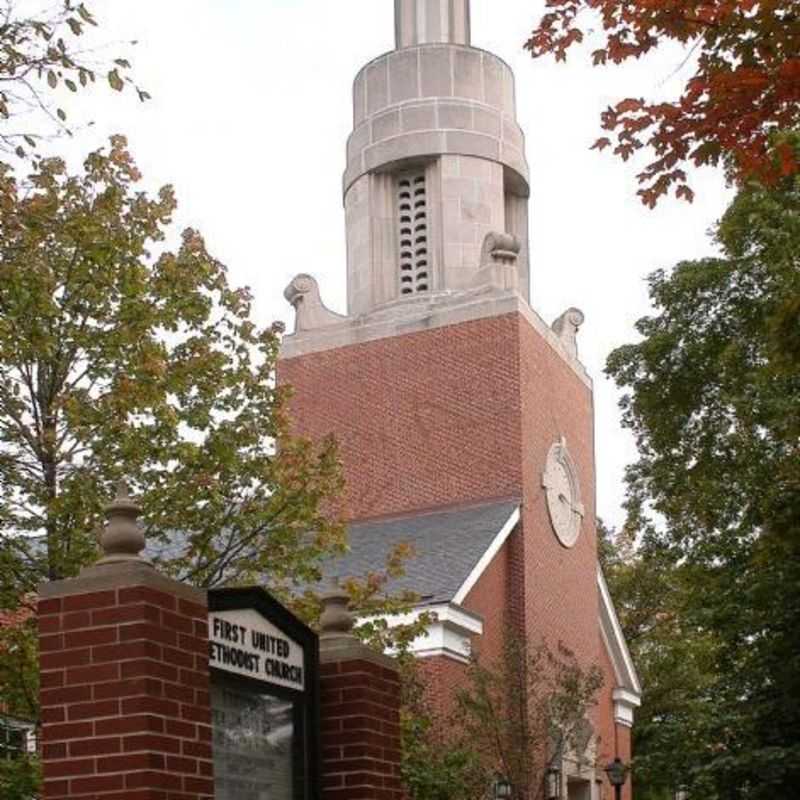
(617, 773)
(501, 789)
(553, 783)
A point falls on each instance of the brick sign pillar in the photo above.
(360, 712)
(124, 678)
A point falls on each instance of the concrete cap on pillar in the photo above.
(431, 22)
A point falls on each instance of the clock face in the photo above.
(560, 482)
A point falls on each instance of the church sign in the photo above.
(245, 643)
(264, 698)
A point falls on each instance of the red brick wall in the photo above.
(561, 603)
(360, 712)
(462, 414)
(422, 420)
(441, 677)
(625, 752)
(458, 414)
(490, 598)
(125, 697)
(615, 740)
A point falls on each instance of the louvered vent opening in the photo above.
(412, 206)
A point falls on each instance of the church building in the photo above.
(465, 422)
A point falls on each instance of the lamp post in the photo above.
(501, 789)
(552, 782)
(617, 775)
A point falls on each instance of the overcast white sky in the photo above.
(251, 111)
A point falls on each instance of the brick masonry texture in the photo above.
(125, 697)
(462, 414)
(614, 739)
(491, 599)
(410, 414)
(360, 710)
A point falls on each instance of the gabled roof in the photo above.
(451, 548)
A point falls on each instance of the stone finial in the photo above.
(500, 248)
(336, 621)
(498, 267)
(566, 328)
(310, 312)
(122, 539)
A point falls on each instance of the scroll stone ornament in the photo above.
(498, 267)
(567, 327)
(310, 312)
(122, 539)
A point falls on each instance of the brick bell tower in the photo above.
(465, 422)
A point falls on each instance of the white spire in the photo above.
(431, 21)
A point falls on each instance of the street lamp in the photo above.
(502, 789)
(552, 782)
(617, 775)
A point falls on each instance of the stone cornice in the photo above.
(428, 312)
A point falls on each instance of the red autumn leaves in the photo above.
(744, 92)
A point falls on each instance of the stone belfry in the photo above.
(465, 422)
(434, 164)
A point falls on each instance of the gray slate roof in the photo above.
(447, 546)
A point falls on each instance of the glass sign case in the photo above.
(264, 699)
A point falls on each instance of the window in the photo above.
(15, 737)
(412, 209)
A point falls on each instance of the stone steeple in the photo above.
(445, 391)
(436, 192)
(435, 163)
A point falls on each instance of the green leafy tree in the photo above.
(741, 86)
(525, 708)
(122, 358)
(675, 659)
(20, 779)
(712, 397)
(513, 715)
(19, 697)
(438, 763)
(44, 56)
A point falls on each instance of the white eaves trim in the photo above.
(627, 695)
(615, 642)
(625, 705)
(449, 635)
(487, 558)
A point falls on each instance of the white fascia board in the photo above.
(625, 704)
(617, 674)
(615, 640)
(487, 557)
(623, 715)
(624, 696)
(449, 635)
(445, 612)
